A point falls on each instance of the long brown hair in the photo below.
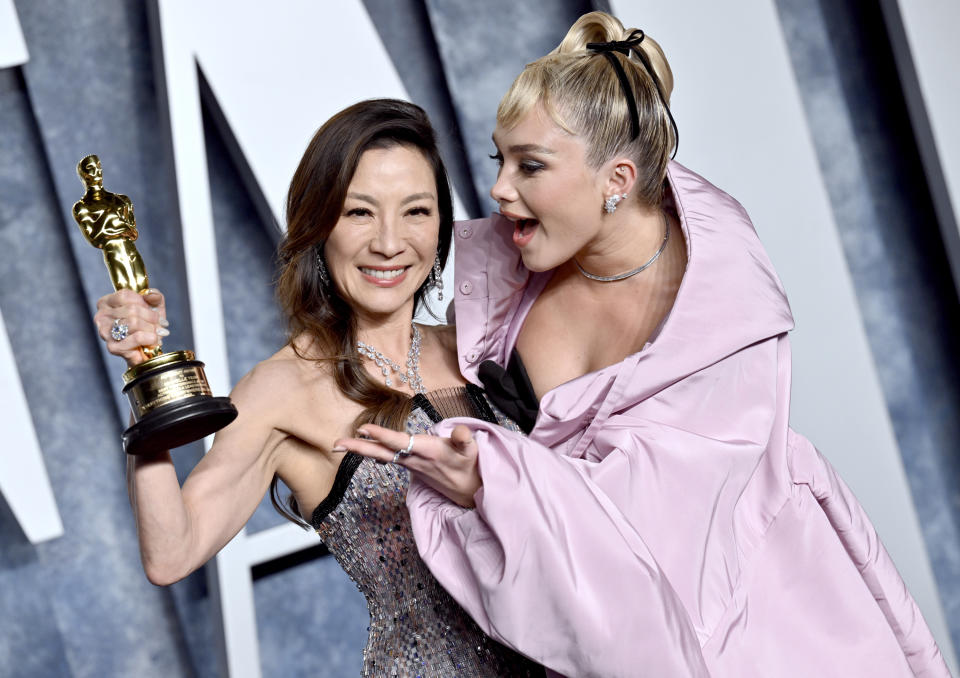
(316, 312)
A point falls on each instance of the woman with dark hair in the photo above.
(660, 518)
(369, 220)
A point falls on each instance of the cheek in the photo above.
(339, 262)
(563, 227)
(344, 242)
(428, 242)
(561, 238)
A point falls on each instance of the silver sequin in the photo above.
(416, 628)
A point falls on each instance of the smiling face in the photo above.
(547, 188)
(385, 241)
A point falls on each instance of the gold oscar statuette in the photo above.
(169, 396)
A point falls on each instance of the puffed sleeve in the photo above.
(541, 564)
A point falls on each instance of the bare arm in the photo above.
(181, 528)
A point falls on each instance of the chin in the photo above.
(385, 302)
(538, 262)
(378, 311)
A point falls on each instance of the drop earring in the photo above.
(436, 277)
(322, 269)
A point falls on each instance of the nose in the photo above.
(387, 240)
(503, 191)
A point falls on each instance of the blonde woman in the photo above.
(661, 518)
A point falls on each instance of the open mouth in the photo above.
(383, 274)
(384, 277)
(523, 230)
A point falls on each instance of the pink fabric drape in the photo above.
(662, 519)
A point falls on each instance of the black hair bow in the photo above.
(625, 47)
(622, 46)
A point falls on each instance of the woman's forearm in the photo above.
(162, 518)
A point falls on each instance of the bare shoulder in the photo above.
(296, 392)
(267, 374)
(282, 375)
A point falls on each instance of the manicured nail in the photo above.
(164, 322)
(339, 448)
(363, 433)
(161, 332)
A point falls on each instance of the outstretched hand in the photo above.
(448, 465)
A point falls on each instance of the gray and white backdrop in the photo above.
(835, 122)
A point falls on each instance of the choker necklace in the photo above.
(410, 373)
(628, 274)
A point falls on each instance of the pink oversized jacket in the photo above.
(662, 519)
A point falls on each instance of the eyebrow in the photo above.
(373, 201)
(531, 148)
(418, 196)
(524, 148)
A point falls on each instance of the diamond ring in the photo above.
(119, 330)
(403, 453)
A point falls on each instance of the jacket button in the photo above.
(465, 230)
(473, 356)
(466, 287)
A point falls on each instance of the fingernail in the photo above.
(362, 432)
(161, 332)
(164, 322)
(339, 448)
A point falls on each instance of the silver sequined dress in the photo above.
(416, 628)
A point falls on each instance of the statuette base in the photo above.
(171, 404)
(178, 424)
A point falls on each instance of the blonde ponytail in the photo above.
(582, 93)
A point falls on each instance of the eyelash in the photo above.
(527, 166)
(364, 212)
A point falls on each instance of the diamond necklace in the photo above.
(410, 373)
(628, 274)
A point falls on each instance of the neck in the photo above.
(628, 239)
(389, 334)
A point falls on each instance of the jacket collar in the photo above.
(730, 298)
